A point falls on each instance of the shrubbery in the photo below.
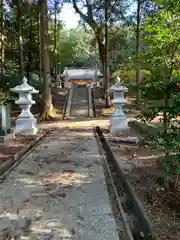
(129, 76)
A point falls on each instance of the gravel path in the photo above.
(58, 192)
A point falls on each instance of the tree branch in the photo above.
(89, 12)
(112, 8)
(87, 18)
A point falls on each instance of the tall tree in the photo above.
(94, 17)
(97, 29)
(46, 106)
(106, 80)
(2, 37)
(55, 35)
(138, 76)
(20, 38)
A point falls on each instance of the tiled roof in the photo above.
(74, 73)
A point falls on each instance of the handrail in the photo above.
(65, 104)
(93, 103)
(69, 101)
(90, 102)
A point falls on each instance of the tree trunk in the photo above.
(106, 65)
(138, 73)
(100, 41)
(20, 39)
(2, 40)
(103, 54)
(55, 39)
(39, 41)
(97, 30)
(28, 68)
(46, 104)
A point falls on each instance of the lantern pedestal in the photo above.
(26, 124)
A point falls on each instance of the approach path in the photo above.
(58, 192)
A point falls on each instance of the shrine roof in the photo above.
(80, 73)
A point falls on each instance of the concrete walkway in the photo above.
(58, 192)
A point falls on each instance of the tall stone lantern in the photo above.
(25, 124)
(118, 122)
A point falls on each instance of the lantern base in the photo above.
(26, 126)
(119, 125)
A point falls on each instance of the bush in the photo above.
(12, 79)
(35, 81)
(129, 76)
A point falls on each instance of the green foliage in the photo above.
(29, 35)
(35, 81)
(74, 48)
(129, 76)
(121, 43)
(161, 94)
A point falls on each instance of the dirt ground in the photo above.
(141, 168)
(14, 145)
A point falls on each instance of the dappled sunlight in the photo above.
(107, 111)
(51, 225)
(66, 178)
(82, 134)
(62, 178)
(42, 228)
(92, 156)
(31, 182)
(10, 216)
(84, 123)
(75, 123)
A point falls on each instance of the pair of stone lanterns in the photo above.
(118, 122)
(25, 124)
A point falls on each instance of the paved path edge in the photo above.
(138, 206)
(6, 167)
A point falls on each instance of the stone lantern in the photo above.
(25, 124)
(118, 122)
